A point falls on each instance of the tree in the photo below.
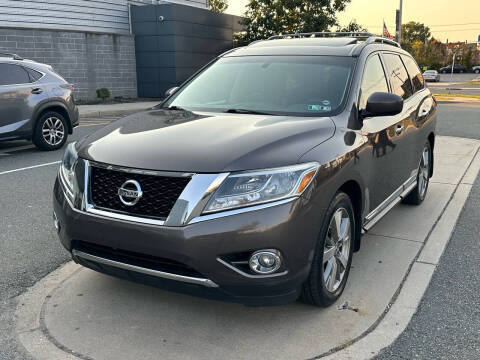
(415, 31)
(264, 18)
(353, 26)
(218, 6)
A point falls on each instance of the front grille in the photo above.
(137, 259)
(159, 192)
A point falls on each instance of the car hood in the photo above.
(173, 140)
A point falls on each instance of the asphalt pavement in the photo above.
(447, 322)
(445, 326)
(29, 247)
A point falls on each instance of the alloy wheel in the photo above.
(424, 172)
(53, 131)
(336, 250)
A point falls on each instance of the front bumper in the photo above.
(291, 227)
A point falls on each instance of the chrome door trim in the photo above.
(381, 210)
(146, 271)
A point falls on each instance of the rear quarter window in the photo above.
(11, 74)
(414, 72)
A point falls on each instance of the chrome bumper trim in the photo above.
(156, 273)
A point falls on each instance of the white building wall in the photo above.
(104, 16)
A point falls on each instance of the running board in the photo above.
(384, 208)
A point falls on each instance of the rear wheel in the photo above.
(50, 132)
(417, 195)
(477, 71)
(333, 254)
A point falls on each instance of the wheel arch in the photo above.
(56, 106)
(354, 191)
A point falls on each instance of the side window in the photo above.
(33, 74)
(398, 76)
(12, 74)
(373, 80)
(414, 72)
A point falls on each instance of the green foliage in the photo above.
(415, 31)
(353, 26)
(264, 18)
(218, 6)
(103, 93)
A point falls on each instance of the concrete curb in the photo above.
(36, 339)
(397, 317)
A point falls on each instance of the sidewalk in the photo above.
(75, 313)
(121, 109)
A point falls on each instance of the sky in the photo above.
(453, 20)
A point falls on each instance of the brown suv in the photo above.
(254, 181)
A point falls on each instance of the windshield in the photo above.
(279, 85)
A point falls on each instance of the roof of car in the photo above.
(333, 44)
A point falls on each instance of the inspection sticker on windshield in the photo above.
(319, 108)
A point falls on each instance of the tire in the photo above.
(317, 290)
(444, 72)
(477, 71)
(51, 131)
(418, 194)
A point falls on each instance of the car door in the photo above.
(424, 110)
(16, 98)
(383, 133)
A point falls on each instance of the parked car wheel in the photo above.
(50, 131)
(333, 254)
(477, 71)
(417, 195)
(444, 71)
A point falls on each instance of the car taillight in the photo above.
(68, 86)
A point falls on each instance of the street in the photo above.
(30, 250)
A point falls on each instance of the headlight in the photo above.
(67, 170)
(256, 187)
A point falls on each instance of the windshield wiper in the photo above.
(246, 111)
(178, 108)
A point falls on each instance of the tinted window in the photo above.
(414, 72)
(399, 79)
(281, 85)
(13, 74)
(33, 75)
(373, 80)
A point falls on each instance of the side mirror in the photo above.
(171, 91)
(383, 104)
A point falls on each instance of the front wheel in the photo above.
(50, 131)
(333, 254)
(417, 195)
(477, 71)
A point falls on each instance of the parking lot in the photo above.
(69, 313)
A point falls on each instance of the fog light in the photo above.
(56, 222)
(265, 261)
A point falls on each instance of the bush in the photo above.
(103, 93)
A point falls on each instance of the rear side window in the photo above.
(33, 74)
(398, 76)
(373, 80)
(12, 74)
(414, 72)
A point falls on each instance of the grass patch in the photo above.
(471, 83)
(466, 96)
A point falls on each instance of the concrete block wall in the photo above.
(88, 60)
(173, 41)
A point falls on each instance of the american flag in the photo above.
(386, 33)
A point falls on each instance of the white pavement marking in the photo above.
(29, 167)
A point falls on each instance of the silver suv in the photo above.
(35, 103)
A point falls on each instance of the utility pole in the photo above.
(399, 22)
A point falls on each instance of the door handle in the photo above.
(399, 129)
(37, 91)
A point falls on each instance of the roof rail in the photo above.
(382, 40)
(13, 56)
(369, 37)
(322, 34)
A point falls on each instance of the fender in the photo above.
(50, 104)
